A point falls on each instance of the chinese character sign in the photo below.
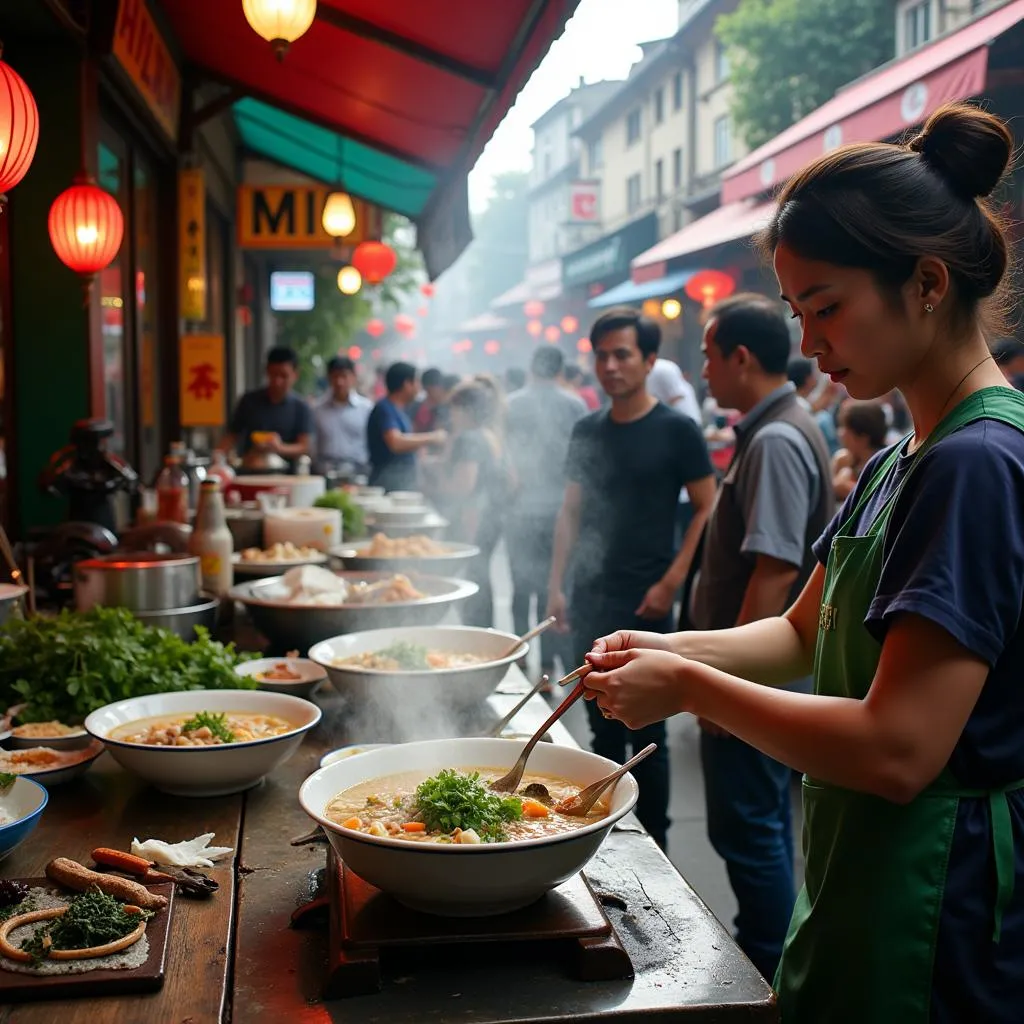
(584, 202)
(192, 244)
(201, 382)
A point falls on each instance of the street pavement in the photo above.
(688, 844)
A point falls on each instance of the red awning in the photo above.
(887, 102)
(726, 224)
(426, 81)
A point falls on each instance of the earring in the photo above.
(929, 308)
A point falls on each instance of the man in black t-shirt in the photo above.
(625, 468)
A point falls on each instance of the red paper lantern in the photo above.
(86, 227)
(492, 347)
(19, 127)
(708, 286)
(427, 289)
(374, 260)
(583, 345)
(355, 352)
(533, 309)
(405, 324)
(534, 328)
(552, 334)
(375, 328)
(569, 324)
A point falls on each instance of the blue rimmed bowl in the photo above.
(23, 804)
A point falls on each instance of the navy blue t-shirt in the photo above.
(954, 554)
(290, 419)
(395, 471)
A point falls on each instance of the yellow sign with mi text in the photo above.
(192, 244)
(201, 380)
(140, 49)
(290, 217)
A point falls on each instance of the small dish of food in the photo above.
(55, 735)
(418, 553)
(49, 766)
(22, 802)
(298, 676)
(256, 563)
(418, 821)
(204, 742)
(343, 753)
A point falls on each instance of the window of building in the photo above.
(659, 180)
(677, 90)
(721, 62)
(659, 106)
(917, 25)
(677, 168)
(633, 127)
(633, 193)
(677, 218)
(595, 157)
(723, 140)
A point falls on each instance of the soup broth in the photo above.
(201, 729)
(388, 807)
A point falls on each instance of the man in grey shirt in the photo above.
(538, 426)
(774, 502)
(341, 421)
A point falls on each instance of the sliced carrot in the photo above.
(120, 861)
(352, 823)
(534, 809)
(414, 826)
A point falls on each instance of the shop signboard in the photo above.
(289, 217)
(585, 202)
(141, 51)
(292, 291)
(192, 244)
(201, 380)
(607, 259)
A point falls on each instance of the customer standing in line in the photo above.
(341, 420)
(775, 500)
(625, 467)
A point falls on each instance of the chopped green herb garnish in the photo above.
(451, 800)
(7, 780)
(215, 721)
(410, 657)
(92, 919)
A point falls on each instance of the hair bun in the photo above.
(970, 148)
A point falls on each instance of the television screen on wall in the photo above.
(291, 291)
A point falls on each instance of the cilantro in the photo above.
(352, 520)
(451, 800)
(215, 721)
(7, 780)
(410, 657)
(67, 666)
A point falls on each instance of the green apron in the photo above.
(861, 943)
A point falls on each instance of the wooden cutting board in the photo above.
(15, 986)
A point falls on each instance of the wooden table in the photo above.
(235, 959)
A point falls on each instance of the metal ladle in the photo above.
(579, 805)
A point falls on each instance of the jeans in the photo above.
(750, 827)
(614, 741)
(530, 540)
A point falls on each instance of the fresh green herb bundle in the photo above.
(451, 800)
(352, 518)
(215, 721)
(410, 657)
(92, 919)
(69, 665)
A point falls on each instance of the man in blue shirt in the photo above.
(341, 420)
(281, 421)
(390, 440)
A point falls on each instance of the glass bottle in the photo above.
(211, 540)
(194, 470)
(172, 492)
(220, 470)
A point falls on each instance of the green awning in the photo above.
(329, 157)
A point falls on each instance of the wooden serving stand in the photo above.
(364, 922)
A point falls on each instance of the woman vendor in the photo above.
(912, 744)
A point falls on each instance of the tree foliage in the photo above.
(497, 256)
(787, 57)
(336, 319)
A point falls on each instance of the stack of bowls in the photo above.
(161, 590)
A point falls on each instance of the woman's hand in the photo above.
(638, 687)
(629, 639)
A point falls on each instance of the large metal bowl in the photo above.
(297, 626)
(183, 621)
(420, 695)
(10, 595)
(433, 526)
(454, 562)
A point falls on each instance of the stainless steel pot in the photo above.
(143, 582)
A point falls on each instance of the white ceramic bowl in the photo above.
(312, 675)
(70, 741)
(430, 694)
(24, 805)
(352, 750)
(401, 515)
(404, 498)
(465, 881)
(204, 771)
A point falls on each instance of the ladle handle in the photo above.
(552, 718)
(528, 636)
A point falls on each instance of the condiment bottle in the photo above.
(172, 492)
(195, 472)
(220, 470)
(211, 540)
